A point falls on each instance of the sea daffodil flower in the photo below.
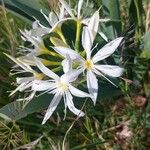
(25, 83)
(90, 64)
(61, 87)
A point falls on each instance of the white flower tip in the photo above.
(41, 10)
(119, 39)
(11, 94)
(93, 99)
(43, 122)
(81, 114)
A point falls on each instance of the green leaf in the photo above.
(112, 10)
(27, 9)
(146, 52)
(15, 109)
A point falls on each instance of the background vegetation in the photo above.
(121, 122)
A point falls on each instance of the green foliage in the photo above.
(26, 10)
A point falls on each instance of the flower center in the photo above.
(62, 86)
(88, 64)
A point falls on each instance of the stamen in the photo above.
(88, 64)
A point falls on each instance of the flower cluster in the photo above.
(58, 68)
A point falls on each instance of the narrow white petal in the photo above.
(70, 104)
(24, 66)
(103, 36)
(39, 31)
(45, 16)
(27, 37)
(100, 74)
(104, 20)
(107, 50)
(67, 64)
(92, 85)
(72, 75)
(64, 51)
(53, 105)
(94, 24)
(45, 70)
(67, 7)
(24, 79)
(80, 3)
(26, 86)
(27, 98)
(17, 89)
(58, 24)
(53, 19)
(35, 24)
(110, 70)
(62, 12)
(87, 41)
(39, 85)
(77, 92)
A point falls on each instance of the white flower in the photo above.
(90, 64)
(39, 48)
(54, 19)
(25, 83)
(91, 22)
(61, 88)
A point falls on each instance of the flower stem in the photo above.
(78, 32)
(59, 32)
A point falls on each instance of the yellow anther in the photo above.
(88, 64)
(62, 87)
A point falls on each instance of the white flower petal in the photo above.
(26, 86)
(80, 3)
(72, 75)
(35, 24)
(27, 98)
(58, 24)
(39, 31)
(77, 92)
(92, 85)
(53, 105)
(110, 70)
(39, 85)
(45, 70)
(94, 24)
(67, 64)
(67, 7)
(53, 19)
(103, 36)
(17, 89)
(27, 37)
(21, 64)
(24, 79)
(100, 74)
(47, 18)
(107, 50)
(71, 106)
(64, 51)
(62, 12)
(87, 41)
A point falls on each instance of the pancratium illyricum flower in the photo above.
(91, 22)
(59, 57)
(25, 83)
(61, 87)
(90, 63)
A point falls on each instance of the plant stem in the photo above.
(58, 30)
(78, 32)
